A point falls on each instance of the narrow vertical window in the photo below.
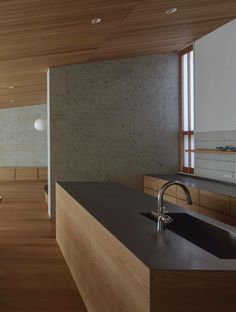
(187, 110)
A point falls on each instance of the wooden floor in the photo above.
(33, 274)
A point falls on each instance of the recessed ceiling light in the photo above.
(171, 11)
(10, 87)
(12, 101)
(96, 20)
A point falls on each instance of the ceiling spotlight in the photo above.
(171, 11)
(96, 20)
(12, 101)
(10, 87)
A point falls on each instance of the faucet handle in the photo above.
(166, 219)
(164, 209)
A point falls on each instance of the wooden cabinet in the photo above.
(214, 201)
(193, 191)
(171, 191)
(184, 204)
(152, 186)
(170, 199)
(215, 215)
(150, 192)
(233, 207)
(151, 183)
(213, 205)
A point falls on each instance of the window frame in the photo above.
(183, 132)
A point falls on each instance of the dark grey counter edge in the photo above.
(118, 209)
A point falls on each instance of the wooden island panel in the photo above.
(108, 276)
(111, 278)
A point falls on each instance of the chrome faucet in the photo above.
(161, 213)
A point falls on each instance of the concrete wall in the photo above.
(215, 80)
(114, 120)
(20, 143)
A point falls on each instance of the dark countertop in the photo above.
(224, 188)
(118, 209)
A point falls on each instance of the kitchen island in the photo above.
(120, 263)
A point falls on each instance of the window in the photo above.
(187, 110)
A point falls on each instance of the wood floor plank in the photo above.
(33, 274)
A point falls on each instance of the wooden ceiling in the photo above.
(37, 34)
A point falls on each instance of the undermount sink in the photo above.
(221, 243)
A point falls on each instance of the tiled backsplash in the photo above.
(215, 166)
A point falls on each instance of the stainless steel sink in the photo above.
(221, 243)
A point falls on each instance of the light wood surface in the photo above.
(22, 191)
(7, 174)
(34, 275)
(42, 174)
(26, 174)
(46, 197)
(170, 199)
(193, 191)
(108, 279)
(171, 191)
(214, 201)
(184, 204)
(151, 183)
(23, 173)
(212, 151)
(150, 192)
(22, 183)
(36, 35)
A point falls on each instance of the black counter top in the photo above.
(118, 209)
(224, 188)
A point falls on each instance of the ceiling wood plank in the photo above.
(36, 35)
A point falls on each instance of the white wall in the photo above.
(215, 80)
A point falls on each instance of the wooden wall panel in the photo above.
(57, 25)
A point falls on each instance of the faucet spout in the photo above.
(162, 217)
